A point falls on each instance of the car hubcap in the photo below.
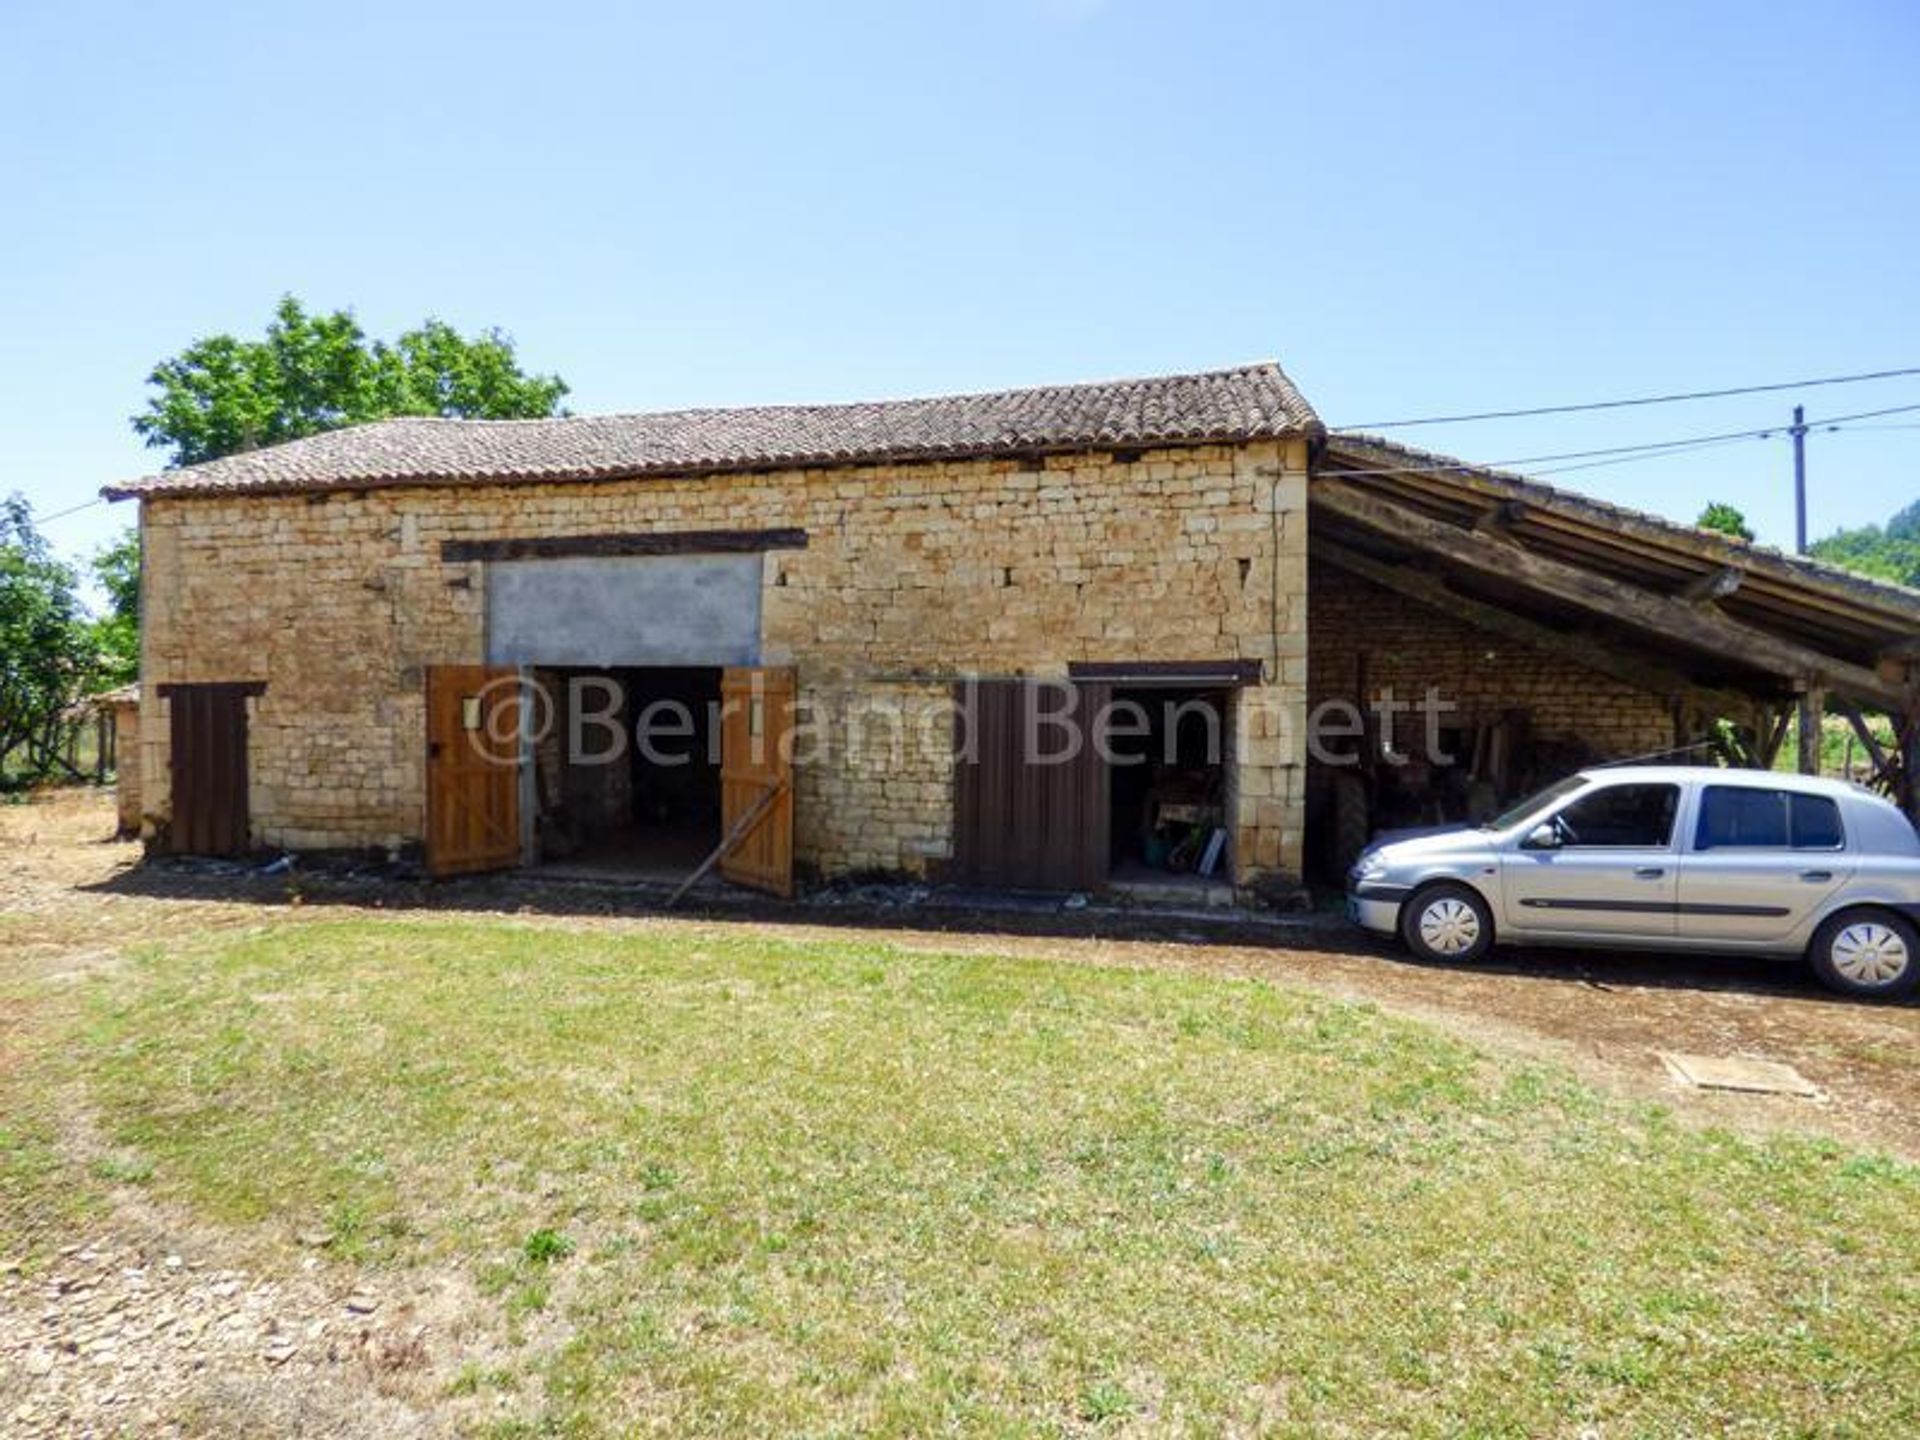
(1869, 954)
(1449, 927)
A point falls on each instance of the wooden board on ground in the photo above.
(1733, 1072)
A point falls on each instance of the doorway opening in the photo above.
(627, 774)
(1170, 748)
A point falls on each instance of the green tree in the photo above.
(1892, 553)
(116, 634)
(1726, 519)
(311, 372)
(46, 655)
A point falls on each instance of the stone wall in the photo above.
(126, 766)
(1410, 646)
(913, 574)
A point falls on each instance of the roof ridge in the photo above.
(1223, 372)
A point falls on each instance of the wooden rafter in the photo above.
(1642, 537)
(1714, 585)
(1616, 662)
(1608, 598)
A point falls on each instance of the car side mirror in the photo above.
(1543, 837)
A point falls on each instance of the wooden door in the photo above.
(756, 777)
(473, 768)
(1026, 816)
(207, 737)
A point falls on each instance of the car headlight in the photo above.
(1370, 867)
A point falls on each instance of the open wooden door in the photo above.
(473, 768)
(756, 777)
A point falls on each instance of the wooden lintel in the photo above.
(1594, 653)
(649, 542)
(1609, 598)
(1168, 672)
(241, 687)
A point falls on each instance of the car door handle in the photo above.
(1814, 877)
(1648, 872)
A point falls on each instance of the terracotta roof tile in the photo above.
(1251, 402)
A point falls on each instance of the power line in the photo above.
(1668, 399)
(62, 514)
(1648, 450)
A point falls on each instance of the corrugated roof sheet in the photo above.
(1250, 402)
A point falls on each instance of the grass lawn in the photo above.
(779, 1187)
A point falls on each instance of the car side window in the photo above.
(1621, 817)
(1741, 817)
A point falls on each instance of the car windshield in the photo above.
(1535, 803)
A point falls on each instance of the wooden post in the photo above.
(1813, 706)
(1907, 739)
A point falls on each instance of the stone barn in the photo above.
(1081, 637)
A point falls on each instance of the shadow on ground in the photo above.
(939, 910)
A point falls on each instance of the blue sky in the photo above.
(1418, 209)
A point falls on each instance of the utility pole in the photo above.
(1799, 433)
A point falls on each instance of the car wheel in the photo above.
(1447, 924)
(1871, 954)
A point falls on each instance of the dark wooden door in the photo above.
(1030, 810)
(207, 741)
(756, 777)
(473, 768)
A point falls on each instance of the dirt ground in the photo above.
(154, 1325)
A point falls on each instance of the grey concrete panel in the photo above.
(643, 610)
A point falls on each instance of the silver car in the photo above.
(1666, 858)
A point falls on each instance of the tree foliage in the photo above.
(1727, 519)
(46, 652)
(1890, 552)
(315, 372)
(116, 634)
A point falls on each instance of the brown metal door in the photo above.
(207, 734)
(1030, 815)
(473, 768)
(756, 777)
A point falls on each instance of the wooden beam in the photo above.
(1167, 672)
(1608, 598)
(1875, 751)
(1774, 736)
(1428, 589)
(1498, 518)
(1714, 585)
(1826, 590)
(649, 542)
(731, 840)
(1813, 714)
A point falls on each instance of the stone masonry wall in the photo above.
(126, 766)
(1410, 646)
(912, 574)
